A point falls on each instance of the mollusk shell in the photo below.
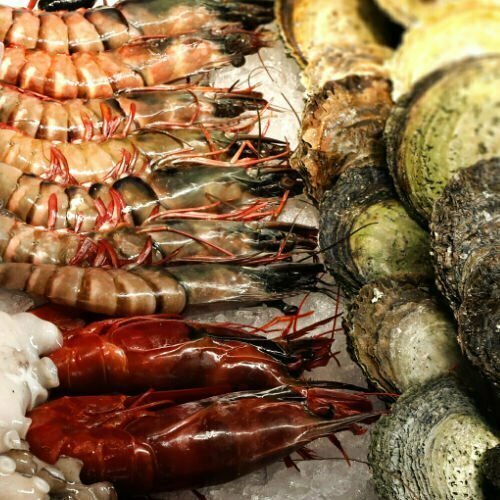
(465, 219)
(367, 234)
(451, 32)
(431, 445)
(342, 127)
(408, 12)
(448, 121)
(311, 25)
(401, 335)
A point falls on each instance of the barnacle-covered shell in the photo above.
(408, 12)
(368, 235)
(401, 335)
(449, 121)
(479, 315)
(465, 219)
(431, 446)
(342, 127)
(453, 31)
(311, 25)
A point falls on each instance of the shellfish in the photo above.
(449, 121)
(466, 243)
(367, 233)
(453, 31)
(401, 335)
(342, 127)
(431, 446)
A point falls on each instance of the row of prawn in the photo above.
(106, 202)
(118, 180)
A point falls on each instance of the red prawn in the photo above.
(163, 352)
(152, 443)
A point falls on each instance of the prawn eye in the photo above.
(227, 108)
(238, 43)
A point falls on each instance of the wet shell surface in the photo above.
(465, 219)
(401, 335)
(367, 234)
(342, 127)
(431, 446)
(448, 121)
(408, 12)
(309, 26)
(453, 31)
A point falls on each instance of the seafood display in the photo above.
(96, 30)
(173, 437)
(432, 445)
(401, 335)
(452, 31)
(181, 106)
(358, 214)
(452, 133)
(466, 235)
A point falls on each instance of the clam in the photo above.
(431, 446)
(448, 121)
(367, 234)
(408, 12)
(401, 335)
(342, 127)
(465, 219)
(451, 32)
(311, 25)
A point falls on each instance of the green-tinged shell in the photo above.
(310, 25)
(367, 234)
(401, 335)
(479, 315)
(449, 121)
(465, 219)
(342, 128)
(408, 12)
(453, 31)
(431, 446)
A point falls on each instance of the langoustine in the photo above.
(175, 241)
(158, 107)
(229, 193)
(137, 154)
(144, 63)
(147, 290)
(96, 30)
(165, 353)
(240, 432)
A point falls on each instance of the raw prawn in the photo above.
(146, 290)
(165, 353)
(157, 107)
(177, 241)
(137, 154)
(186, 192)
(144, 63)
(149, 443)
(104, 28)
